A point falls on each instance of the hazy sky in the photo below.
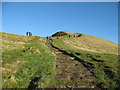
(45, 18)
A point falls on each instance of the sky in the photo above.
(43, 19)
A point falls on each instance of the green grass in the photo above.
(26, 61)
(103, 65)
(90, 43)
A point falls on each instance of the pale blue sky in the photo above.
(99, 19)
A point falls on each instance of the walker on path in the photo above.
(50, 41)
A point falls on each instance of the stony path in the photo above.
(70, 70)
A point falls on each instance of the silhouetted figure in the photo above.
(69, 35)
(30, 34)
(27, 33)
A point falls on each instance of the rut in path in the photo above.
(69, 69)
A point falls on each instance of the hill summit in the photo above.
(61, 33)
(64, 33)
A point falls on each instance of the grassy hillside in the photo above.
(91, 43)
(96, 54)
(27, 62)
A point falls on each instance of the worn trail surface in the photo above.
(70, 73)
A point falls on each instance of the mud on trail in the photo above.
(70, 73)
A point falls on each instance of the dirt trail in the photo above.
(69, 69)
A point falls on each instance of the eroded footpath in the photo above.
(70, 73)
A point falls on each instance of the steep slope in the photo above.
(27, 62)
(98, 55)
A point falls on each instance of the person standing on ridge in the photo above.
(30, 34)
(27, 33)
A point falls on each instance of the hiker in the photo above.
(30, 34)
(26, 33)
(50, 41)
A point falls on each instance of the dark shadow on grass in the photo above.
(109, 73)
(33, 83)
(86, 64)
(97, 60)
(77, 53)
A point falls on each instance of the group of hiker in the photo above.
(28, 34)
